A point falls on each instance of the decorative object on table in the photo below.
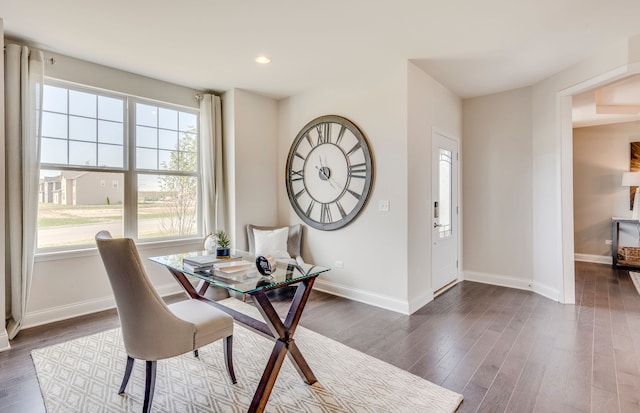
(329, 172)
(209, 242)
(199, 263)
(222, 242)
(266, 265)
(232, 266)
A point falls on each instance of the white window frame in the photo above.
(129, 170)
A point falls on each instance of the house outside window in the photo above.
(146, 152)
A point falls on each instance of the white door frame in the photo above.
(458, 228)
(565, 126)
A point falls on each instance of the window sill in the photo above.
(93, 251)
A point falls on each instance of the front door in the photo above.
(444, 212)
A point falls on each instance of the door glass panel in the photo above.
(444, 203)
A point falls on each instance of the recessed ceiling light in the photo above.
(263, 60)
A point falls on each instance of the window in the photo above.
(115, 162)
(446, 173)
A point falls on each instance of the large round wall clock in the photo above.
(329, 172)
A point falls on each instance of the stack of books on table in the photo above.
(202, 263)
(233, 266)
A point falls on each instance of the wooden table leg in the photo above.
(283, 332)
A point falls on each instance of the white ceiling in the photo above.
(473, 47)
(613, 103)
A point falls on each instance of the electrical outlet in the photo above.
(383, 206)
(339, 264)
(608, 242)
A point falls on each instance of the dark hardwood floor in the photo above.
(505, 350)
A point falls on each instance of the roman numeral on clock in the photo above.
(358, 170)
(297, 175)
(324, 133)
(325, 214)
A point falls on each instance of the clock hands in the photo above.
(325, 175)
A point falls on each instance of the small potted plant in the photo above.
(222, 242)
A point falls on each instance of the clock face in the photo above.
(329, 172)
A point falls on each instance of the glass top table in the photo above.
(249, 281)
(245, 281)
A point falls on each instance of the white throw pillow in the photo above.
(271, 242)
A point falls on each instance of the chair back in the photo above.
(294, 240)
(149, 329)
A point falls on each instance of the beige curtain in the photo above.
(24, 78)
(212, 164)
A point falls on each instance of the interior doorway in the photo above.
(566, 118)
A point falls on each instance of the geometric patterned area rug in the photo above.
(84, 375)
(635, 277)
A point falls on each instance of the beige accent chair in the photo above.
(151, 329)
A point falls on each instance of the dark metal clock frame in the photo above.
(332, 214)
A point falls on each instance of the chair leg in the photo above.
(228, 357)
(127, 374)
(149, 385)
(195, 353)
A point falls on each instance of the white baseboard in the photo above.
(421, 301)
(598, 259)
(513, 282)
(367, 297)
(4, 340)
(50, 315)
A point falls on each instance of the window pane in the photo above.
(54, 99)
(168, 119)
(110, 109)
(110, 132)
(82, 104)
(146, 115)
(147, 137)
(188, 161)
(167, 205)
(53, 151)
(146, 159)
(168, 160)
(445, 203)
(82, 153)
(111, 155)
(54, 125)
(188, 122)
(74, 206)
(82, 129)
(77, 121)
(168, 139)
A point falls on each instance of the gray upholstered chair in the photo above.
(151, 329)
(294, 240)
(294, 248)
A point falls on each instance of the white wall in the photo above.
(429, 105)
(600, 156)
(4, 338)
(553, 271)
(497, 181)
(250, 136)
(374, 246)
